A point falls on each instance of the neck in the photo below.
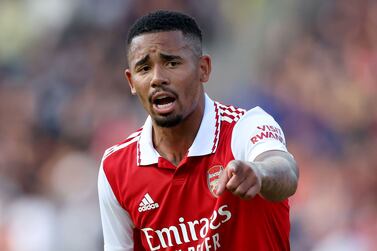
(173, 143)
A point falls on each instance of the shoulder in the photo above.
(254, 133)
(256, 120)
(119, 159)
(254, 115)
(123, 146)
(238, 116)
(229, 113)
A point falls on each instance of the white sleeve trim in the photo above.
(116, 222)
(255, 133)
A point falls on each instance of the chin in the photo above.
(168, 121)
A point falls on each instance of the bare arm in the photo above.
(279, 174)
(273, 174)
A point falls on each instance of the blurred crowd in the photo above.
(323, 89)
(64, 100)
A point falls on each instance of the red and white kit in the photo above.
(149, 204)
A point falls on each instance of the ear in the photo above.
(127, 74)
(205, 67)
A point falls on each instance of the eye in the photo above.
(143, 68)
(173, 64)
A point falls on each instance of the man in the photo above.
(198, 175)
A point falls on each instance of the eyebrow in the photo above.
(164, 57)
(142, 61)
(167, 57)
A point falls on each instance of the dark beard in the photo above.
(168, 121)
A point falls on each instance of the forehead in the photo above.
(170, 42)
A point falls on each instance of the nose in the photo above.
(159, 77)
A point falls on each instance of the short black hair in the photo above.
(163, 20)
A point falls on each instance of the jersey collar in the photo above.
(205, 141)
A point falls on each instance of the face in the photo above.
(167, 76)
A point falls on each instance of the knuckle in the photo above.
(231, 187)
(234, 163)
(241, 191)
(250, 169)
(252, 180)
(237, 162)
(238, 167)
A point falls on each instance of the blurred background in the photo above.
(63, 100)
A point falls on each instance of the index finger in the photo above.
(224, 178)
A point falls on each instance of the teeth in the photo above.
(164, 105)
(161, 97)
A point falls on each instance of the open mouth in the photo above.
(163, 103)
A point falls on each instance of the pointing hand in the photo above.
(241, 178)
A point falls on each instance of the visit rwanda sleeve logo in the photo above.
(267, 132)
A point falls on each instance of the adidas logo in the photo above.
(147, 203)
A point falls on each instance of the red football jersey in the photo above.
(147, 203)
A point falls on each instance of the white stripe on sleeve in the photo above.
(116, 222)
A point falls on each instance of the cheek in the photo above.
(143, 97)
(143, 100)
(141, 83)
(141, 91)
(191, 89)
(193, 81)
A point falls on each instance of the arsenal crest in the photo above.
(213, 176)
